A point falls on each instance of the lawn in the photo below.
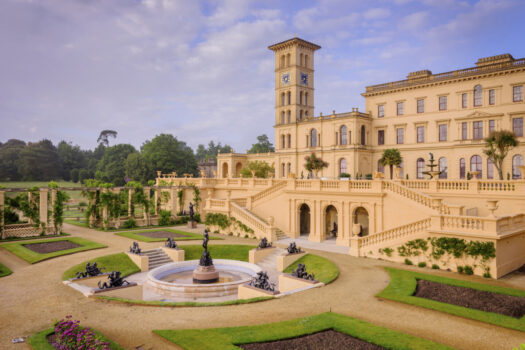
(233, 252)
(183, 303)
(38, 341)
(227, 338)
(324, 270)
(4, 270)
(136, 235)
(32, 257)
(403, 285)
(114, 262)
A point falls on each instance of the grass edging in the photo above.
(38, 341)
(32, 257)
(228, 338)
(181, 303)
(403, 285)
(113, 262)
(4, 270)
(324, 270)
(135, 235)
(11, 239)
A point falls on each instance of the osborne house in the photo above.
(355, 202)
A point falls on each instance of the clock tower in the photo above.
(294, 85)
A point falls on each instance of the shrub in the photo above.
(129, 223)
(70, 335)
(487, 275)
(460, 269)
(408, 262)
(422, 264)
(165, 218)
(246, 236)
(345, 175)
(435, 267)
(468, 270)
(388, 251)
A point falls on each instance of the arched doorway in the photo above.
(331, 225)
(361, 218)
(224, 170)
(304, 218)
(238, 168)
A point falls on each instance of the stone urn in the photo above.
(397, 172)
(159, 173)
(492, 205)
(522, 171)
(474, 174)
(356, 229)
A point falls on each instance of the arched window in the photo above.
(517, 160)
(289, 141)
(301, 98)
(462, 166)
(289, 97)
(301, 114)
(342, 166)
(283, 99)
(306, 98)
(281, 64)
(490, 169)
(476, 165)
(306, 63)
(283, 117)
(288, 60)
(283, 139)
(380, 167)
(343, 135)
(478, 96)
(301, 59)
(289, 117)
(313, 138)
(289, 168)
(420, 167)
(306, 114)
(363, 135)
(443, 167)
(283, 170)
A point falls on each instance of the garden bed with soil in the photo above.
(325, 340)
(161, 234)
(507, 305)
(51, 247)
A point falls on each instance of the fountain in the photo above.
(205, 272)
(432, 172)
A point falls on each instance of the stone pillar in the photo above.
(105, 216)
(2, 202)
(91, 215)
(29, 200)
(130, 193)
(117, 220)
(173, 199)
(147, 193)
(53, 200)
(156, 204)
(43, 208)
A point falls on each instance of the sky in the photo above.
(201, 70)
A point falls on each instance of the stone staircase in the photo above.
(269, 264)
(157, 258)
(280, 234)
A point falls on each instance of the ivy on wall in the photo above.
(224, 222)
(58, 207)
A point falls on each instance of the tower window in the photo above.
(301, 98)
(478, 96)
(343, 134)
(283, 99)
(492, 97)
(380, 111)
(301, 59)
(464, 101)
(400, 108)
(421, 106)
(289, 141)
(380, 137)
(306, 63)
(282, 117)
(313, 138)
(442, 103)
(363, 135)
(289, 97)
(288, 60)
(306, 98)
(283, 139)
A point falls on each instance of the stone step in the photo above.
(157, 259)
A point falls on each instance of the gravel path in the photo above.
(33, 297)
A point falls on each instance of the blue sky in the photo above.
(202, 70)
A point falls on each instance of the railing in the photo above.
(452, 185)
(262, 182)
(360, 184)
(511, 223)
(416, 184)
(500, 186)
(303, 184)
(463, 223)
(261, 228)
(279, 185)
(330, 184)
(408, 193)
(218, 203)
(240, 201)
(395, 233)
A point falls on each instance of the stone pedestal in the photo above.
(205, 275)
(192, 224)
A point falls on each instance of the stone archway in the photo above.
(304, 220)
(361, 218)
(224, 170)
(331, 225)
(238, 168)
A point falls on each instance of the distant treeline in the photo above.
(43, 161)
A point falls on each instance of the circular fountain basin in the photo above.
(175, 280)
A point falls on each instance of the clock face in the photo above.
(304, 78)
(285, 78)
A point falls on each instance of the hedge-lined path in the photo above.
(34, 296)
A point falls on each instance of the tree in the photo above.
(71, 157)
(83, 175)
(314, 164)
(136, 168)
(211, 152)
(497, 146)
(391, 157)
(39, 161)
(73, 175)
(167, 154)
(111, 168)
(262, 169)
(9, 155)
(263, 145)
(103, 138)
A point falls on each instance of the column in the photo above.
(29, 200)
(43, 208)
(2, 227)
(53, 200)
(173, 199)
(105, 215)
(146, 210)
(130, 193)
(156, 204)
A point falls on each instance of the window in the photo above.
(301, 98)
(442, 103)
(420, 134)
(363, 135)
(283, 140)
(301, 59)
(475, 165)
(492, 97)
(282, 117)
(306, 98)
(478, 96)
(517, 160)
(464, 131)
(313, 138)
(306, 60)
(289, 168)
(402, 172)
(443, 132)
(517, 93)
(301, 114)
(380, 167)
(463, 100)
(283, 170)
(462, 165)
(380, 111)
(283, 99)
(421, 106)
(420, 167)
(517, 126)
(289, 98)
(490, 169)
(443, 167)
(343, 135)
(400, 136)
(380, 137)
(342, 166)
(492, 125)
(477, 130)
(289, 141)
(400, 108)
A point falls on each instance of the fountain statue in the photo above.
(432, 172)
(114, 281)
(91, 271)
(262, 281)
(300, 272)
(293, 249)
(205, 272)
(264, 244)
(135, 249)
(170, 243)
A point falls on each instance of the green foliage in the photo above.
(73, 175)
(196, 198)
(205, 154)
(233, 252)
(314, 164)
(217, 219)
(413, 248)
(111, 168)
(497, 146)
(468, 270)
(180, 197)
(129, 223)
(182, 235)
(261, 168)
(345, 175)
(460, 269)
(391, 157)
(103, 137)
(39, 161)
(408, 262)
(422, 264)
(4, 270)
(435, 267)
(9, 157)
(387, 251)
(58, 210)
(263, 145)
(521, 347)
(135, 168)
(165, 218)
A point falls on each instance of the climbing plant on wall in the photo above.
(30, 205)
(180, 196)
(58, 206)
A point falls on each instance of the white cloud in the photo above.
(376, 13)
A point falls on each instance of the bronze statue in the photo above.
(293, 248)
(300, 272)
(262, 281)
(206, 259)
(114, 281)
(91, 271)
(264, 244)
(170, 243)
(334, 230)
(191, 211)
(135, 249)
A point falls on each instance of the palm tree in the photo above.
(314, 164)
(497, 146)
(391, 157)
